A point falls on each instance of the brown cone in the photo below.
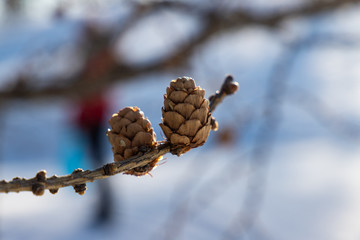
(129, 132)
(186, 117)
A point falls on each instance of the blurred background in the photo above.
(284, 164)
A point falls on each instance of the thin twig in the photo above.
(79, 177)
(277, 86)
(40, 182)
(346, 128)
(229, 87)
(207, 193)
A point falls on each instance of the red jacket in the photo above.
(92, 112)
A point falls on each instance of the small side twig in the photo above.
(78, 178)
(229, 87)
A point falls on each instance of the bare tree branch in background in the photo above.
(265, 139)
(101, 68)
(324, 115)
(313, 105)
(193, 205)
(277, 92)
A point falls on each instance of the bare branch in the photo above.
(327, 117)
(111, 70)
(229, 87)
(272, 113)
(79, 177)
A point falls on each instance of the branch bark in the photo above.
(78, 178)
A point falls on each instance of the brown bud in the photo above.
(41, 176)
(16, 179)
(109, 169)
(80, 188)
(214, 124)
(38, 189)
(229, 87)
(78, 170)
(54, 190)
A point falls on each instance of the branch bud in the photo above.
(38, 189)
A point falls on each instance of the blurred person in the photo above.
(90, 119)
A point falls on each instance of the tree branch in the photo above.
(229, 87)
(111, 70)
(78, 178)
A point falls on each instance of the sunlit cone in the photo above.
(186, 120)
(130, 131)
